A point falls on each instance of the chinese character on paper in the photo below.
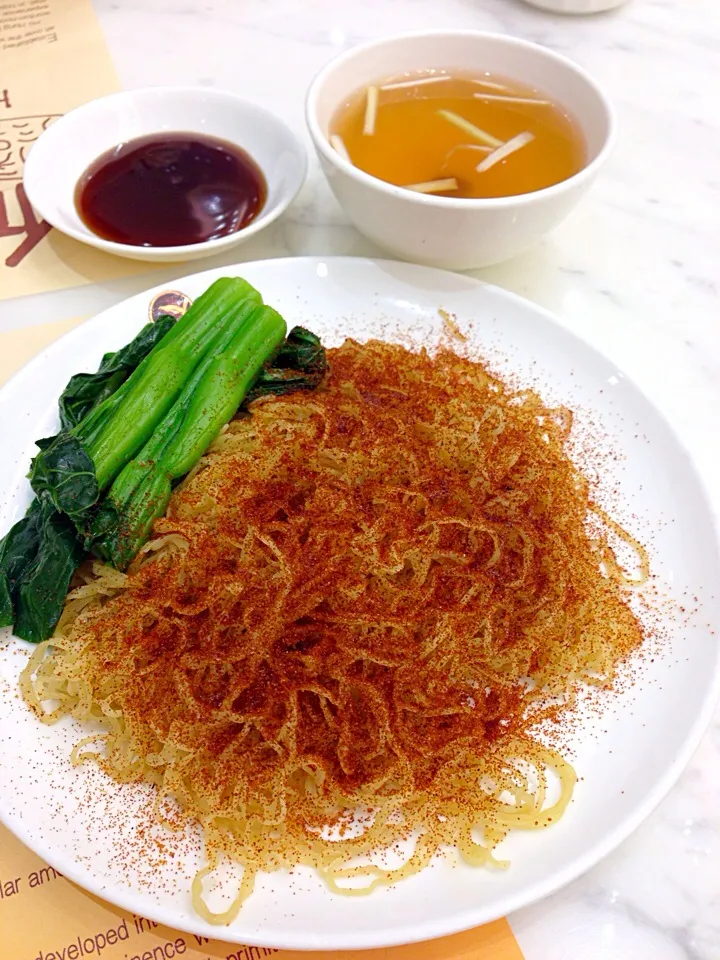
(16, 136)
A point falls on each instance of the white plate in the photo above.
(84, 824)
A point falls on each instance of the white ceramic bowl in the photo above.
(68, 147)
(442, 231)
(576, 6)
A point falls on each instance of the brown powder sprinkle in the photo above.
(358, 611)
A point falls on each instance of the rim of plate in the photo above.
(555, 879)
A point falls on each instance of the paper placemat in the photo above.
(45, 917)
(52, 58)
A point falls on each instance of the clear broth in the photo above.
(414, 144)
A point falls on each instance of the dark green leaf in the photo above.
(37, 560)
(6, 605)
(86, 390)
(40, 591)
(17, 547)
(65, 471)
(299, 364)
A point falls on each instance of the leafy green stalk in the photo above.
(40, 553)
(79, 465)
(118, 428)
(142, 491)
(143, 473)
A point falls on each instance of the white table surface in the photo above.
(635, 270)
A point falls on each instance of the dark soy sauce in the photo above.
(169, 190)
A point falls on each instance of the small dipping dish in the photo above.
(61, 158)
(457, 233)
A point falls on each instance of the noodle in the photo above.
(358, 608)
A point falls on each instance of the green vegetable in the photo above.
(40, 590)
(20, 543)
(299, 364)
(86, 390)
(65, 472)
(142, 491)
(78, 466)
(6, 606)
(40, 553)
(136, 426)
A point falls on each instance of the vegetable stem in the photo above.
(117, 429)
(482, 136)
(142, 491)
(433, 186)
(85, 391)
(504, 151)
(371, 106)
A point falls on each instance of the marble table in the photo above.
(634, 270)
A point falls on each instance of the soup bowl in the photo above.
(458, 234)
